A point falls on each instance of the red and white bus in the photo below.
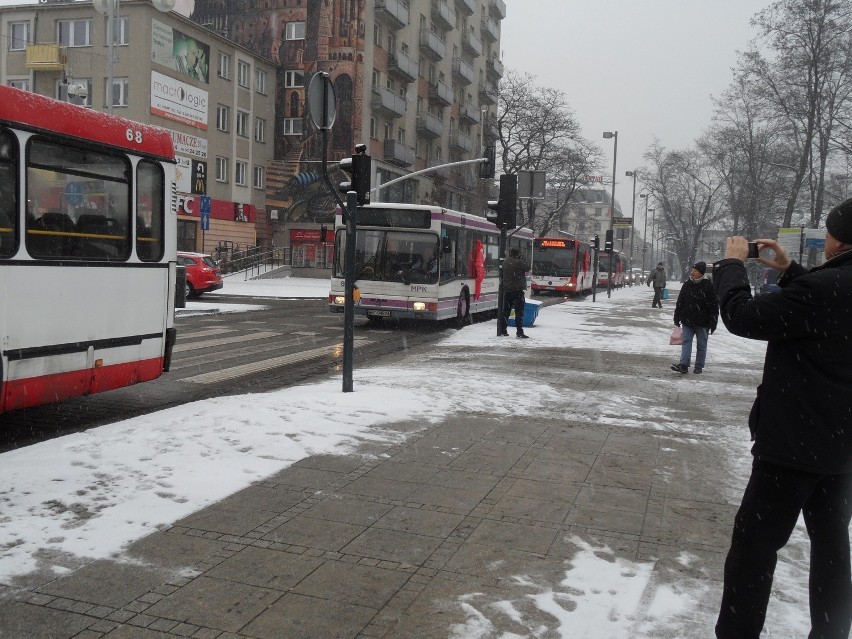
(562, 265)
(422, 262)
(619, 263)
(87, 250)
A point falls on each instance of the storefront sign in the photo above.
(187, 144)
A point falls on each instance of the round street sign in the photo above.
(322, 102)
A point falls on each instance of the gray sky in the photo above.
(646, 68)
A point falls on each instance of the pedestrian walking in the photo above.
(801, 424)
(657, 277)
(697, 313)
(514, 284)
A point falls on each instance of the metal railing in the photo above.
(252, 261)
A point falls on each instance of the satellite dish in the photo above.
(164, 5)
(102, 6)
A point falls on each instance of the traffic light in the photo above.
(359, 167)
(505, 210)
(596, 243)
(608, 241)
(486, 169)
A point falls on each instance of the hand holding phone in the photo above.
(753, 253)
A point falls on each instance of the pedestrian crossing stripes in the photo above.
(234, 339)
(252, 368)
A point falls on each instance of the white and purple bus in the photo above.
(422, 262)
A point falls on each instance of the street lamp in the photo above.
(614, 135)
(646, 197)
(653, 232)
(634, 174)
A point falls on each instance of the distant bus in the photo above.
(562, 265)
(420, 262)
(618, 266)
(87, 250)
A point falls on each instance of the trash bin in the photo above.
(665, 294)
(531, 309)
(180, 286)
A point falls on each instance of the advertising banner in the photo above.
(178, 101)
(187, 144)
(179, 52)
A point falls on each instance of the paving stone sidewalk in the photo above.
(387, 542)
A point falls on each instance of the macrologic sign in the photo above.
(178, 101)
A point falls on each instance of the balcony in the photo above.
(490, 30)
(467, 7)
(403, 66)
(395, 11)
(398, 153)
(463, 71)
(469, 113)
(460, 142)
(443, 16)
(497, 9)
(494, 69)
(432, 45)
(488, 94)
(387, 102)
(440, 94)
(429, 126)
(45, 57)
(471, 44)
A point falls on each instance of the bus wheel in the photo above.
(463, 309)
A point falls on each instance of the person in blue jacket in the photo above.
(801, 425)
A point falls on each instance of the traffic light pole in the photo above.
(502, 324)
(349, 302)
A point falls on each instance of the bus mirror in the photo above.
(446, 245)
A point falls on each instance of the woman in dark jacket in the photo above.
(801, 424)
(697, 309)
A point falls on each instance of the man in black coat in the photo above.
(801, 424)
(697, 309)
(514, 284)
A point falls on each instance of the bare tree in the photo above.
(537, 131)
(686, 187)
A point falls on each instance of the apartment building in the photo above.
(415, 80)
(215, 97)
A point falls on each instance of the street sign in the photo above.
(204, 209)
(531, 185)
(322, 101)
(622, 222)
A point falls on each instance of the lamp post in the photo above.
(653, 233)
(646, 197)
(634, 174)
(614, 135)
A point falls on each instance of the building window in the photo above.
(242, 124)
(121, 28)
(221, 169)
(295, 31)
(374, 129)
(294, 79)
(19, 35)
(260, 82)
(23, 85)
(240, 173)
(224, 66)
(259, 130)
(243, 74)
(223, 118)
(259, 177)
(62, 91)
(74, 33)
(120, 91)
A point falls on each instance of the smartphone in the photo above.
(752, 250)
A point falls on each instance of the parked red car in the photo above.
(202, 274)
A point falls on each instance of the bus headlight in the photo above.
(418, 306)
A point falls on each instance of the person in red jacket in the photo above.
(801, 425)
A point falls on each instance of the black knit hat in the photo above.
(701, 267)
(839, 222)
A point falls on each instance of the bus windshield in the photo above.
(391, 256)
(555, 262)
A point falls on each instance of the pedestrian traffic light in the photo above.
(608, 241)
(505, 210)
(596, 243)
(486, 168)
(359, 167)
(323, 233)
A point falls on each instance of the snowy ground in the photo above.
(90, 494)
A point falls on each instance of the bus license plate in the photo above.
(375, 313)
